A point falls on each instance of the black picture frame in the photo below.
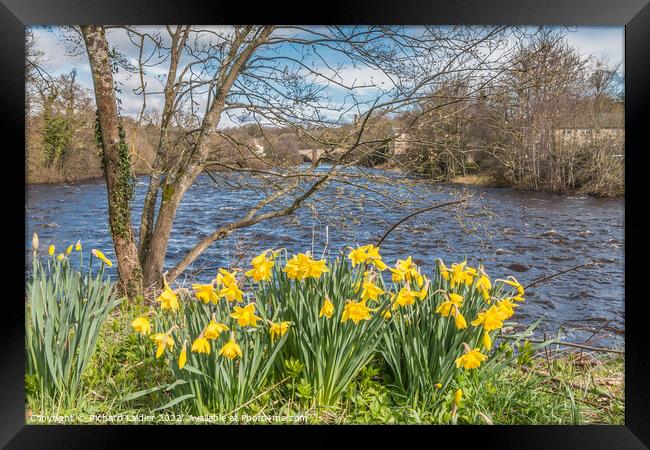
(633, 14)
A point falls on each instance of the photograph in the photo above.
(325, 225)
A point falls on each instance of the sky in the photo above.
(603, 42)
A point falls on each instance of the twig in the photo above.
(541, 280)
(579, 386)
(571, 344)
(404, 219)
(255, 398)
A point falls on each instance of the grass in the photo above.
(566, 389)
(483, 180)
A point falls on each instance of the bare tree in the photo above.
(268, 76)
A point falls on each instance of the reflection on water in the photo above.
(525, 234)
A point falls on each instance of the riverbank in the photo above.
(53, 175)
(489, 181)
(542, 388)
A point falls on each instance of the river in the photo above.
(526, 234)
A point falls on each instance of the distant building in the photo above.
(583, 128)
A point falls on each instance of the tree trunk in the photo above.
(175, 187)
(117, 166)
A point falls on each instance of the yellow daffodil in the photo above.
(60, 257)
(437, 385)
(142, 325)
(470, 274)
(228, 284)
(404, 297)
(370, 291)
(162, 340)
(374, 257)
(224, 278)
(69, 249)
(356, 311)
(484, 286)
(405, 264)
(231, 349)
(213, 330)
(407, 270)
(245, 316)
(201, 345)
(387, 314)
(458, 395)
(461, 273)
(512, 281)
(77, 247)
(101, 256)
(447, 307)
(303, 266)
(491, 319)
(444, 271)
(262, 267)
(182, 358)
(327, 310)
(358, 256)
(232, 293)
(460, 321)
(278, 329)
(168, 298)
(507, 307)
(471, 359)
(487, 341)
(367, 254)
(293, 268)
(397, 275)
(317, 268)
(51, 250)
(205, 293)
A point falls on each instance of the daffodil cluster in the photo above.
(333, 317)
(303, 266)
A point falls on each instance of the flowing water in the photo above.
(526, 234)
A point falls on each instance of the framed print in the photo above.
(383, 216)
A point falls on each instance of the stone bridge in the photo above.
(311, 154)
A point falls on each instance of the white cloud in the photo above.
(362, 83)
(604, 42)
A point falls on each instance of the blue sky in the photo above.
(604, 42)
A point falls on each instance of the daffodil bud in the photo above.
(457, 397)
(35, 242)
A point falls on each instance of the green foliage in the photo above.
(212, 383)
(525, 353)
(167, 192)
(64, 314)
(420, 345)
(319, 369)
(57, 138)
(123, 182)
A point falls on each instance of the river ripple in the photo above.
(527, 234)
